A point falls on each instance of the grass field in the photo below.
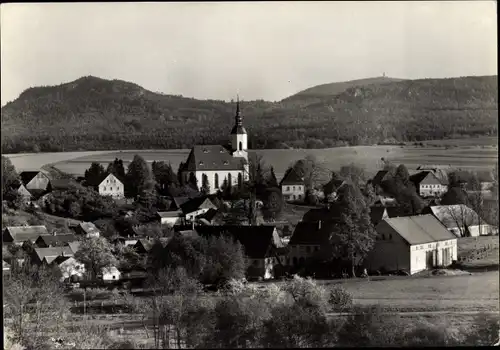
(479, 154)
(469, 246)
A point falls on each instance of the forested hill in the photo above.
(95, 114)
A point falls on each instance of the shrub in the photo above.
(77, 294)
(340, 300)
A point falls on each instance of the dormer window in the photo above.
(221, 150)
(205, 150)
(226, 162)
(201, 163)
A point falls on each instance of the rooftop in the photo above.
(213, 157)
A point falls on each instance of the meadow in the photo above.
(478, 154)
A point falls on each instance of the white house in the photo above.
(460, 220)
(171, 218)
(412, 244)
(306, 241)
(196, 207)
(110, 274)
(111, 186)
(292, 186)
(428, 185)
(69, 267)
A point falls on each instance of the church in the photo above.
(215, 164)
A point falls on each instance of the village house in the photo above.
(306, 241)
(171, 218)
(411, 244)
(196, 207)
(47, 255)
(35, 181)
(428, 185)
(262, 244)
(23, 192)
(55, 240)
(379, 178)
(215, 164)
(20, 234)
(111, 186)
(440, 171)
(460, 220)
(292, 186)
(69, 267)
(110, 273)
(87, 229)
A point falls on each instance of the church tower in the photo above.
(239, 135)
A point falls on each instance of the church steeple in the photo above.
(238, 120)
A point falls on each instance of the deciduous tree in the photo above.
(9, 175)
(96, 254)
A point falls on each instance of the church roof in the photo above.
(213, 157)
(238, 129)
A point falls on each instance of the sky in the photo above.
(259, 50)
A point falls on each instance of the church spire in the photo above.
(238, 118)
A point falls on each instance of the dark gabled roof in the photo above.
(213, 157)
(256, 240)
(292, 178)
(145, 243)
(394, 212)
(324, 214)
(49, 254)
(419, 177)
(27, 176)
(88, 227)
(25, 233)
(61, 239)
(379, 177)
(209, 215)
(197, 203)
(418, 229)
(63, 184)
(169, 214)
(310, 233)
(377, 214)
(178, 201)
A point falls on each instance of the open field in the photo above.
(468, 247)
(467, 155)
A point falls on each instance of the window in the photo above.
(104, 188)
(390, 235)
(201, 163)
(205, 150)
(226, 162)
(300, 196)
(288, 188)
(293, 196)
(241, 146)
(293, 188)
(216, 180)
(429, 246)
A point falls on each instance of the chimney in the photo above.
(319, 225)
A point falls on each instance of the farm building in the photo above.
(216, 164)
(306, 241)
(460, 220)
(412, 244)
(35, 181)
(171, 218)
(21, 189)
(262, 245)
(87, 229)
(111, 186)
(20, 234)
(428, 185)
(48, 255)
(54, 240)
(293, 186)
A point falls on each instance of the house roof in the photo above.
(256, 240)
(74, 246)
(379, 177)
(312, 233)
(324, 214)
(196, 204)
(88, 227)
(59, 259)
(178, 201)
(450, 214)
(25, 233)
(213, 157)
(418, 229)
(110, 176)
(145, 243)
(209, 215)
(63, 184)
(419, 177)
(27, 176)
(292, 178)
(170, 214)
(49, 254)
(22, 190)
(58, 239)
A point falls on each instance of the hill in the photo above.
(337, 88)
(97, 114)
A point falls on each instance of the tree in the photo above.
(353, 173)
(139, 177)
(402, 175)
(205, 186)
(180, 176)
(370, 195)
(310, 169)
(193, 181)
(94, 175)
(9, 175)
(330, 186)
(164, 176)
(116, 168)
(454, 195)
(96, 254)
(353, 234)
(272, 181)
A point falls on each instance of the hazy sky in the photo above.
(261, 50)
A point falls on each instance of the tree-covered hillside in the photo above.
(96, 114)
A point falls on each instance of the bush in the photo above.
(340, 300)
(77, 294)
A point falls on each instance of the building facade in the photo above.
(428, 185)
(216, 165)
(111, 186)
(292, 186)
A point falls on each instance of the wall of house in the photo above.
(432, 189)
(171, 221)
(194, 214)
(390, 252)
(300, 252)
(223, 174)
(480, 230)
(39, 182)
(111, 187)
(293, 192)
(419, 255)
(112, 275)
